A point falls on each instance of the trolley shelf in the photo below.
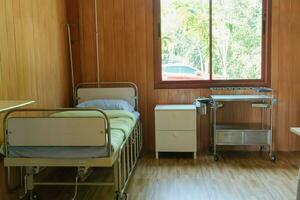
(242, 134)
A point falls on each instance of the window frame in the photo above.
(265, 80)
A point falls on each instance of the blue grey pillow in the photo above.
(107, 104)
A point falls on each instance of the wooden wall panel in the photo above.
(127, 54)
(33, 56)
(293, 61)
(87, 40)
(73, 20)
(33, 50)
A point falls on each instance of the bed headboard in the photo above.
(107, 90)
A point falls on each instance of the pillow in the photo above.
(107, 104)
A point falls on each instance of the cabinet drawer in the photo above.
(176, 141)
(230, 137)
(256, 137)
(175, 120)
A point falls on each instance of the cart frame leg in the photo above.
(216, 157)
(271, 154)
(298, 186)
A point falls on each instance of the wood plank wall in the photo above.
(33, 56)
(33, 52)
(126, 54)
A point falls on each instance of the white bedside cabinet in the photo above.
(176, 129)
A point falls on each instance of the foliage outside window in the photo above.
(212, 41)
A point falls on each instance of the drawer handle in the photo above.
(229, 134)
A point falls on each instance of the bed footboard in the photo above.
(122, 162)
(55, 131)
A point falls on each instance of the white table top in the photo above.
(176, 107)
(6, 105)
(295, 130)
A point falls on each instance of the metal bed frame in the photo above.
(240, 134)
(123, 161)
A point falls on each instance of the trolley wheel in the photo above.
(216, 157)
(273, 158)
(261, 148)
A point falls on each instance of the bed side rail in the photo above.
(56, 130)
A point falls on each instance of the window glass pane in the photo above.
(237, 39)
(185, 39)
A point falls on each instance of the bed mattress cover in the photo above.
(121, 124)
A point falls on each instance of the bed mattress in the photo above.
(121, 122)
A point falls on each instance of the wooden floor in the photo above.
(236, 176)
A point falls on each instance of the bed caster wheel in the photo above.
(23, 197)
(121, 196)
(34, 196)
(216, 157)
(273, 158)
(210, 149)
(29, 196)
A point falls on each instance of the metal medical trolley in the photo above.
(241, 134)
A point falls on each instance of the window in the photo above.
(203, 43)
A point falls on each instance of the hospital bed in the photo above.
(83, 138)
